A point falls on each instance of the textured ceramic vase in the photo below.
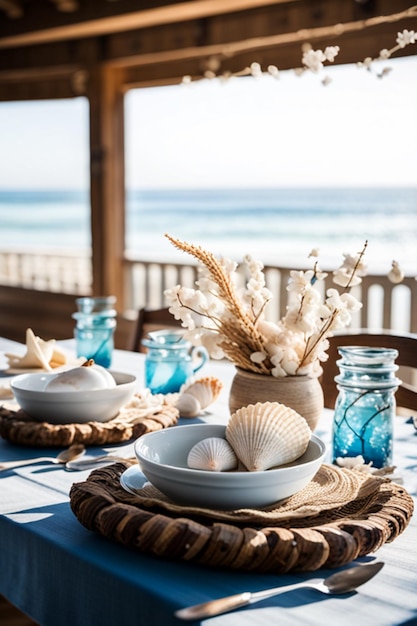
(302, 393)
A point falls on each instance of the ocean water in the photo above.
(277, 226)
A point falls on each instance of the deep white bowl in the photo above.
(66, 407)
(162, 456)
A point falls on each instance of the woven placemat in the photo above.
(19, 428)
(341, 515)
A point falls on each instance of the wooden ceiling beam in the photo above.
(227, 36)
(66, 6)
(145, 18)
(267, 35)
(12, 8)
(38, 73)
(227, 50)
(56, 89)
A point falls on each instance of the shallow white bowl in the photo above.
(66, 407)
(162, 456)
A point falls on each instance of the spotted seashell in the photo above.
(267, 434)
(213, 454)
(188, 405)
(206, 390)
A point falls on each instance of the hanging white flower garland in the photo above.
(312, 60)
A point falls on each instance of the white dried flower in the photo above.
(257, 357)
(366, 63)
(273, 71)
(406, 37)
(384, 54)
(278, 371)
(355, 263)
(341, 306)
(189, 305)
(313, 60)
(299, 323)
(349, 273)
(319, 274)
(311, 298)
(396, 275)
(228, 265)
(210, 342)
(268, 329)
(255, 270)
(334, 299)
(290, 365)
(224, 318)
(299, 280)
(331, 53)
(343, 277)
(255, 70)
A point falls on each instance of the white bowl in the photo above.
(162, 456)
(66, 407)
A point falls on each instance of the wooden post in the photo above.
(107, 181)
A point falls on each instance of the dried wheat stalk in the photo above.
(241, 337)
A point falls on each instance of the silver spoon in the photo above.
(73, 452)
(339, 583)
(104, 459)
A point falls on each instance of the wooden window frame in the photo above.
(105, 66)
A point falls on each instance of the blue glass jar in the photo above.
(170, 361)
(365, 407)
(95, 326)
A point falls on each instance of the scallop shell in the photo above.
(267, 434)
(213, 454)
(188, 405)
(206, 390)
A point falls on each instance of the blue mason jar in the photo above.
(95, 326)
(365, 407)
(170, 361)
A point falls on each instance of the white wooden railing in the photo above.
(60, 271)
(385, 306)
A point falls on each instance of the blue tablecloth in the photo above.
(64, 575)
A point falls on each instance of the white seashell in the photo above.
(213, 454)
(350, 461)
(188, 405)
(206, 390)
(267, 434)
(39, 353)
(81, 378)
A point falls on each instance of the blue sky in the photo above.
(359, 130)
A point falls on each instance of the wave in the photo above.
(279, 226)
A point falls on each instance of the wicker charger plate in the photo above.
(19, 428)
(342, 515)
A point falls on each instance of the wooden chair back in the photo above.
(150, 320)
(406, 395)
